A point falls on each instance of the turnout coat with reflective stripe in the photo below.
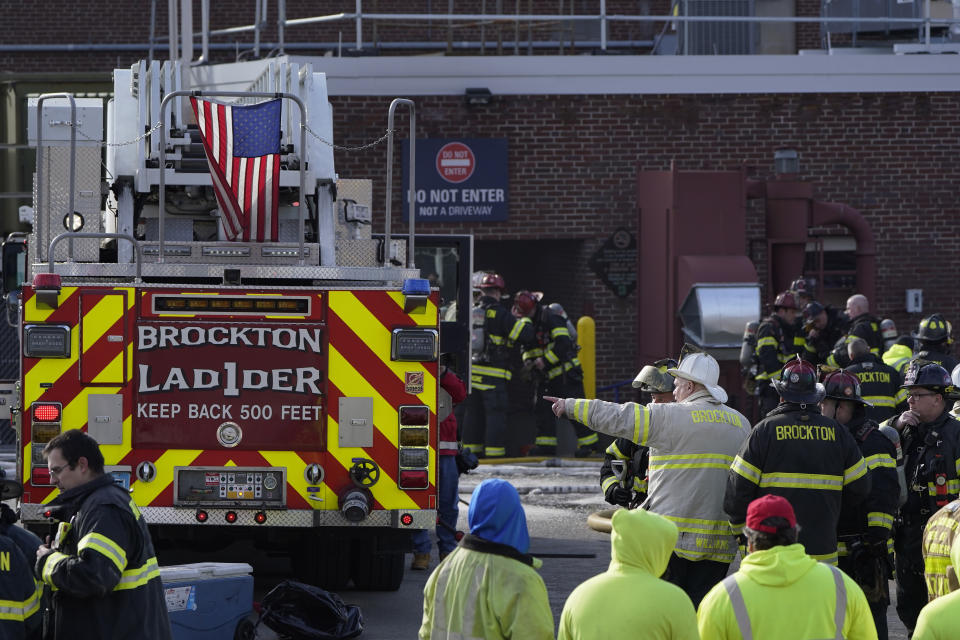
(810, 460)
(692, 444)
(19, 594)
(104, 577)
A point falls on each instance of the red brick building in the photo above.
(879, 133)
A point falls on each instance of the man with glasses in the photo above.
(101, 568)
(931, 444)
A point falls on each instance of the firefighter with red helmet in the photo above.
(934, 340)
(777, 342)
(864, 530)
(931, 444)
(485, 417)
(800, 454)
(552, 355)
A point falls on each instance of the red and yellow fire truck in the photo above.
(279, 389)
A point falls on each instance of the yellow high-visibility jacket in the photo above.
(786, 594)
(629, 600)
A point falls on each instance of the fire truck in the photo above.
(281, 390)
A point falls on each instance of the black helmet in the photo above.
(929, 375)
(843, 385)
(798, 383)
(812, 310)
(802, 287)
(933, 328)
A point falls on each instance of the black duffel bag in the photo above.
(304, 612)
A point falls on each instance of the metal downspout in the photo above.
(823, 213)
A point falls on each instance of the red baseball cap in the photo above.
(769, 506)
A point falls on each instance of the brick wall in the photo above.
(573, 161)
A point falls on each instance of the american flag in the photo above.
(242, 143)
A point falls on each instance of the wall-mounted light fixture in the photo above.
(477, 96)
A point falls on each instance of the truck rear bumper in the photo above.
(296, 518)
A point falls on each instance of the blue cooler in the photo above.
(207, 600)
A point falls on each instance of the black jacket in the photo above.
(501, 332)
(19, 593)
(932, 452)
(638, 459)
(880, 386)
(873, 518)
(552, 342)
(775, 345)
(104, 575)
(945, 360)
(810, 460)
(820, 342)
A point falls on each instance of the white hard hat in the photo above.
(701, 368)
(955, 376)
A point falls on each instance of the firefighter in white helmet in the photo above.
(692, 444)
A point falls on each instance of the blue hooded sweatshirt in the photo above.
(496, 514)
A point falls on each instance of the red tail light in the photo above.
(46, 412)
(202, 516)
(416, 416)
(40, 476)
(406, 519)
(260, 517)
(46, 281)
(230, 517)
(414, 480)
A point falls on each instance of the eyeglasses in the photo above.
(55, 471)
(921, 395)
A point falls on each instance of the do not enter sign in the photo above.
(455, 162)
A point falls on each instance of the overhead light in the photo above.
(479, 96)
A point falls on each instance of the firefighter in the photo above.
(692, 443)
(864, 530)
(823, 326)
(485, 416)
(939, 572)
(552, 356)
(775, 346)
(934, 342)
(629, 600)
(930, 439)
(20, 594)
(101, 567)
(630, 488)
(797, 453)
(802, 292)
(488, 587)
(862, 325)
(879, 382)
(780, 591)
(900, 354)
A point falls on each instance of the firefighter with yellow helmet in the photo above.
(627, 485)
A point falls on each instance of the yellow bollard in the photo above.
(586, 338)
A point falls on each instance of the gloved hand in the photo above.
(618, 495)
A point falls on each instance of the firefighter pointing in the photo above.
(692, 443)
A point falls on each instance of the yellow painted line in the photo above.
(101, 317)
(429, 316)
(295, 465)
(32, 313)
(386, 491)
(341, 373)
(376, 336)
(75, 412)
(146, 492)
(114, 453)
